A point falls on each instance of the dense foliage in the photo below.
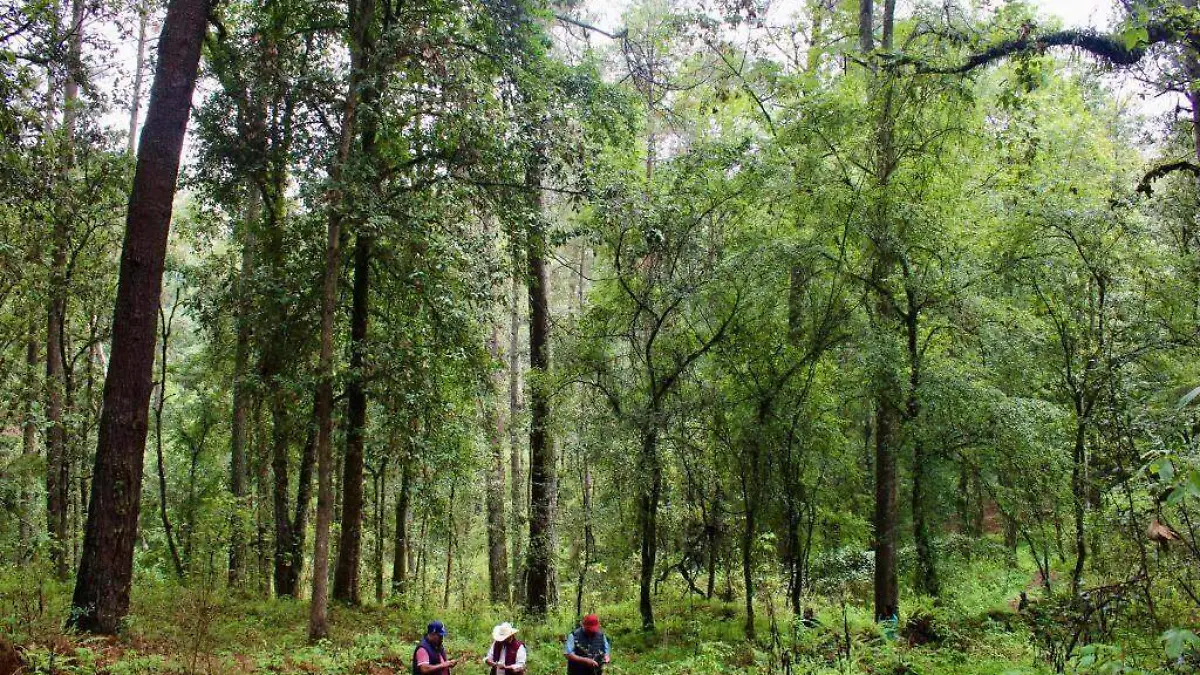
(828, 339)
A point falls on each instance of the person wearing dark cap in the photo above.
(588, 649)
(430, 656)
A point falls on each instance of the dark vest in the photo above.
(589, 647)
(509, 652)
(436, 655)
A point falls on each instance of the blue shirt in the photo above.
(571, 644)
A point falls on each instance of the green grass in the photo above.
(173, 629)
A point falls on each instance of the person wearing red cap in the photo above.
(588, 649)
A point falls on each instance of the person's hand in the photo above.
(593, 663)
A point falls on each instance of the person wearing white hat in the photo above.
(507, 654)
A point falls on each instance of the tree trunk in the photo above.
(58, 461)
(159, 405)
(29, 440)
(304, 488)
(284, 561)
(101, 597)
(648, 523)
(542, 466)
(380, 504)
(361, 15)
(887, 585)
(927, 577)
(400, 559)
(345, 578)
(518, 485)
(497, 528)
(450, 538)
(749, 529)
(241, 389)
(1079, 499)
(135, 102)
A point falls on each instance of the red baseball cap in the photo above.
(591, 622)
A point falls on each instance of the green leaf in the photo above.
(1135, 36)
(1188, 398)
(1180, 640)
(1166, 471)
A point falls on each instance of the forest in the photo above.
(786, 336)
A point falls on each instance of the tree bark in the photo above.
(400, 559)
(497, 528)
(887, 586)
(241, 389)
(518, 484)
(648, 524)
(284, 561)
(135, 102)
(361, 15)
(58, 460)
(345, 579)
(101, 597)
(29, 440)
(543, 471)
(159, 406)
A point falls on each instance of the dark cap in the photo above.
(436, 627)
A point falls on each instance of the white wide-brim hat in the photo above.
(503, 632)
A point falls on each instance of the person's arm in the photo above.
(607, 650)
(575, 658)
(426, 668)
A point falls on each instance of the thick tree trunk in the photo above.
(241, 389)
(651, 472)
(497, 528)
(543, 471)
(345, 578)
(101, 596)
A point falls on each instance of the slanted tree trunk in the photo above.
(497, 528)
(101, 597)
(543, 471)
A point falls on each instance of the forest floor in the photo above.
(974, 629)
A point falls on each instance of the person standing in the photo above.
(588, 649)
(507, 654)
(430, 656)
